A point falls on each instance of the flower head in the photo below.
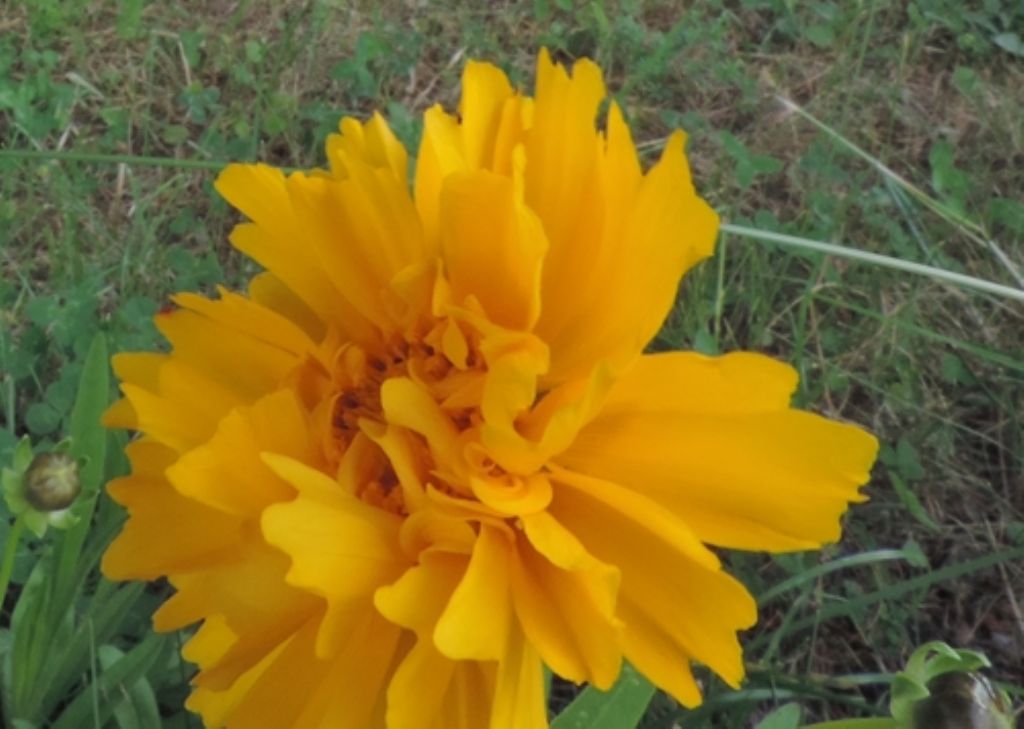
(425, 454)
(40, 489)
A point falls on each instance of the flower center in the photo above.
(356, 412)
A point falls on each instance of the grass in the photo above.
(901, 137)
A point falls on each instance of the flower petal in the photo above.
(329, 534)
(190, 536)
(418, 689)
(569, 616)
(261, 611)
(634, 277)
(371, 144)
(226, 472)
(475, 624)
(676, 584)
(712, 440)
(519, 701)
(493, 247)
(259, 192)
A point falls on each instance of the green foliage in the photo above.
(60, 659)
(786, 716)
(620, 708)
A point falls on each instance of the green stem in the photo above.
(878, 723)
(971, 229)
(126, 159)
(8, 564)
(898, 264)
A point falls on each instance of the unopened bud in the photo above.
(51, 482)
(961, 701)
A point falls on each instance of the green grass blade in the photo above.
(989, 355)
(120, 677)
(138, 709)
(855, 560)
(970, 228)
(858, 604)
(620, 708)
(108, 610)
(878, 723)
(112, 159)
(895, 264)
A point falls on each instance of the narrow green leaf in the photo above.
(620, 708)
(88, 436)
(28, 628)
(119, 677)
(855, 560)
(989, 355)
(855, 606)
(138, 709)
(108, 609)
(89, 445)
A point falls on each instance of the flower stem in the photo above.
(7, 566)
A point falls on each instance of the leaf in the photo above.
(28, 629)
(42, 418)
(89, 446)
(121, 675)
(138, 709)
(878, 723)
(913, 504)
(784, 717)
(108, 610)
(820, 35)
(805, 575)
(952, 184)
(1007, 212)
(966, 80)
(894, 591)
(129, 17)
(620, 708)
(1011, 43)
(907, 461)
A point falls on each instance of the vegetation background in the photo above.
(931, 89)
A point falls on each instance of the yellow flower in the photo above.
(425, 454)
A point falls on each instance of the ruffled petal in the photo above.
(632, 279)
(712, 439)
(569, 616)
(190, 535)
(493, 247)
(226, 472)
(248, 596)
(668, 580)
(260, 193)
(519, 701)
(476, 622)
(340, 547)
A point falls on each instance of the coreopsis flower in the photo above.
(425, 455)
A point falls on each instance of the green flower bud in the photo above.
(51, 482)
(961, 701)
